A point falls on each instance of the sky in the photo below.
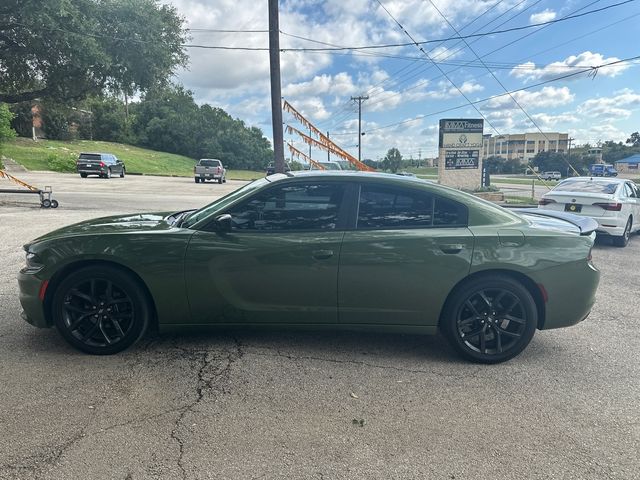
(409, 88)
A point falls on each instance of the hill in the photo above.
(36, 156)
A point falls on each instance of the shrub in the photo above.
(57, 163)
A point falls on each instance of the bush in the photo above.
(61, 164)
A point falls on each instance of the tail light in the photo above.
(546, 201)
(102, 164)
(612, 207)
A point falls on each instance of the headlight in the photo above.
(33, 264)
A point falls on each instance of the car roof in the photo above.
(596, 179)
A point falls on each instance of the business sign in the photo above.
(461, 159)
(461, 140)
(460, 125)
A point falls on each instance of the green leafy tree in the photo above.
(634, 139)
(6, 132)
(392, 160)
(69, 49)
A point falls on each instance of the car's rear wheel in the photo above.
(83, 175)
(100, 310)
(123, 172)
(220, 180)
(623, 240)
(490, 319)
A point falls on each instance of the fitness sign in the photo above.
(461, 142)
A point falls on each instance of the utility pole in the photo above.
(328, 154)
(419, 157)
(310, 134)
(569, 140)
(360, 99)
(276, 94)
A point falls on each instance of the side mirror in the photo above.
(223, 223)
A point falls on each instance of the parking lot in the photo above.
(251, 404)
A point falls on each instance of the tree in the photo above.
(634, 139)
(6, 132)
(69, 49)
(392, 160)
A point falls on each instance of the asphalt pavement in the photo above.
(275, 405)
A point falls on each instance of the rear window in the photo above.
(209, 163)
(90, 156)
(587, 186)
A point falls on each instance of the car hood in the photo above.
(139, 222)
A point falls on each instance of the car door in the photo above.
(279, 261)
(408, 250)
(117, 164)
(632, 193)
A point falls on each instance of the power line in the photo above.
(527, 87)
(497, 79)
(406, 32)
(483, 56)
(461, 37)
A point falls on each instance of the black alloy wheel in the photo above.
(100, 310)
(623, 239)
(123, 172)
(490, 319)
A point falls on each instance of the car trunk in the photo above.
(580, 203)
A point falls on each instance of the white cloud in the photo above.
(575, 63)
(616, 107)
(547, 97)
(544, 16)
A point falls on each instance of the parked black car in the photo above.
(102, 164)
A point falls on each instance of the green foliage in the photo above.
(555, 161)
(612, 151)
(69, 49)
(392, 160)
(6, 132)
(59, 163)
(634, 139)
(56, 120)
(500, 165)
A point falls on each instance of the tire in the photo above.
(100, 310)
(197, 180)
(220, 180)
(54, 204)
(623, 240)
(83, 175)
(122, 173)
(108, 174)
(224, 179)
(489, 319)
(45, 203)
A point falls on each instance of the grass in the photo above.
(514, 200)
(33, 156)
(523, 181)
(419, 171)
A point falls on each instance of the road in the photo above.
(249, 404)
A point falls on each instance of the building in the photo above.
(523, 146)
(629, 164)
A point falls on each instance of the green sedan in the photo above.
(356, 251)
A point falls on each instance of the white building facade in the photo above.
(524, 146)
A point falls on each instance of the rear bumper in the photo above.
(571, 291)
(92, 171)
(214, 176)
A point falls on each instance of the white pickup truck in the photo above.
(551, 176)
(209, 169)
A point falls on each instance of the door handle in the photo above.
(322, 254)
(451, 248)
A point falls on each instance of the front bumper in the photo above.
(33, 308)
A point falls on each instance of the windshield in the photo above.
(204, 212)
(588, 186)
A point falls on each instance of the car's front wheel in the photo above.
(623, 240)
(490, 319)
(123, 172)
(100, 310)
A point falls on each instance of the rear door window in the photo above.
(94, 157)
(210, 163)
(387, 207)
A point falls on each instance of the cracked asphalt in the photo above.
(247, 404)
